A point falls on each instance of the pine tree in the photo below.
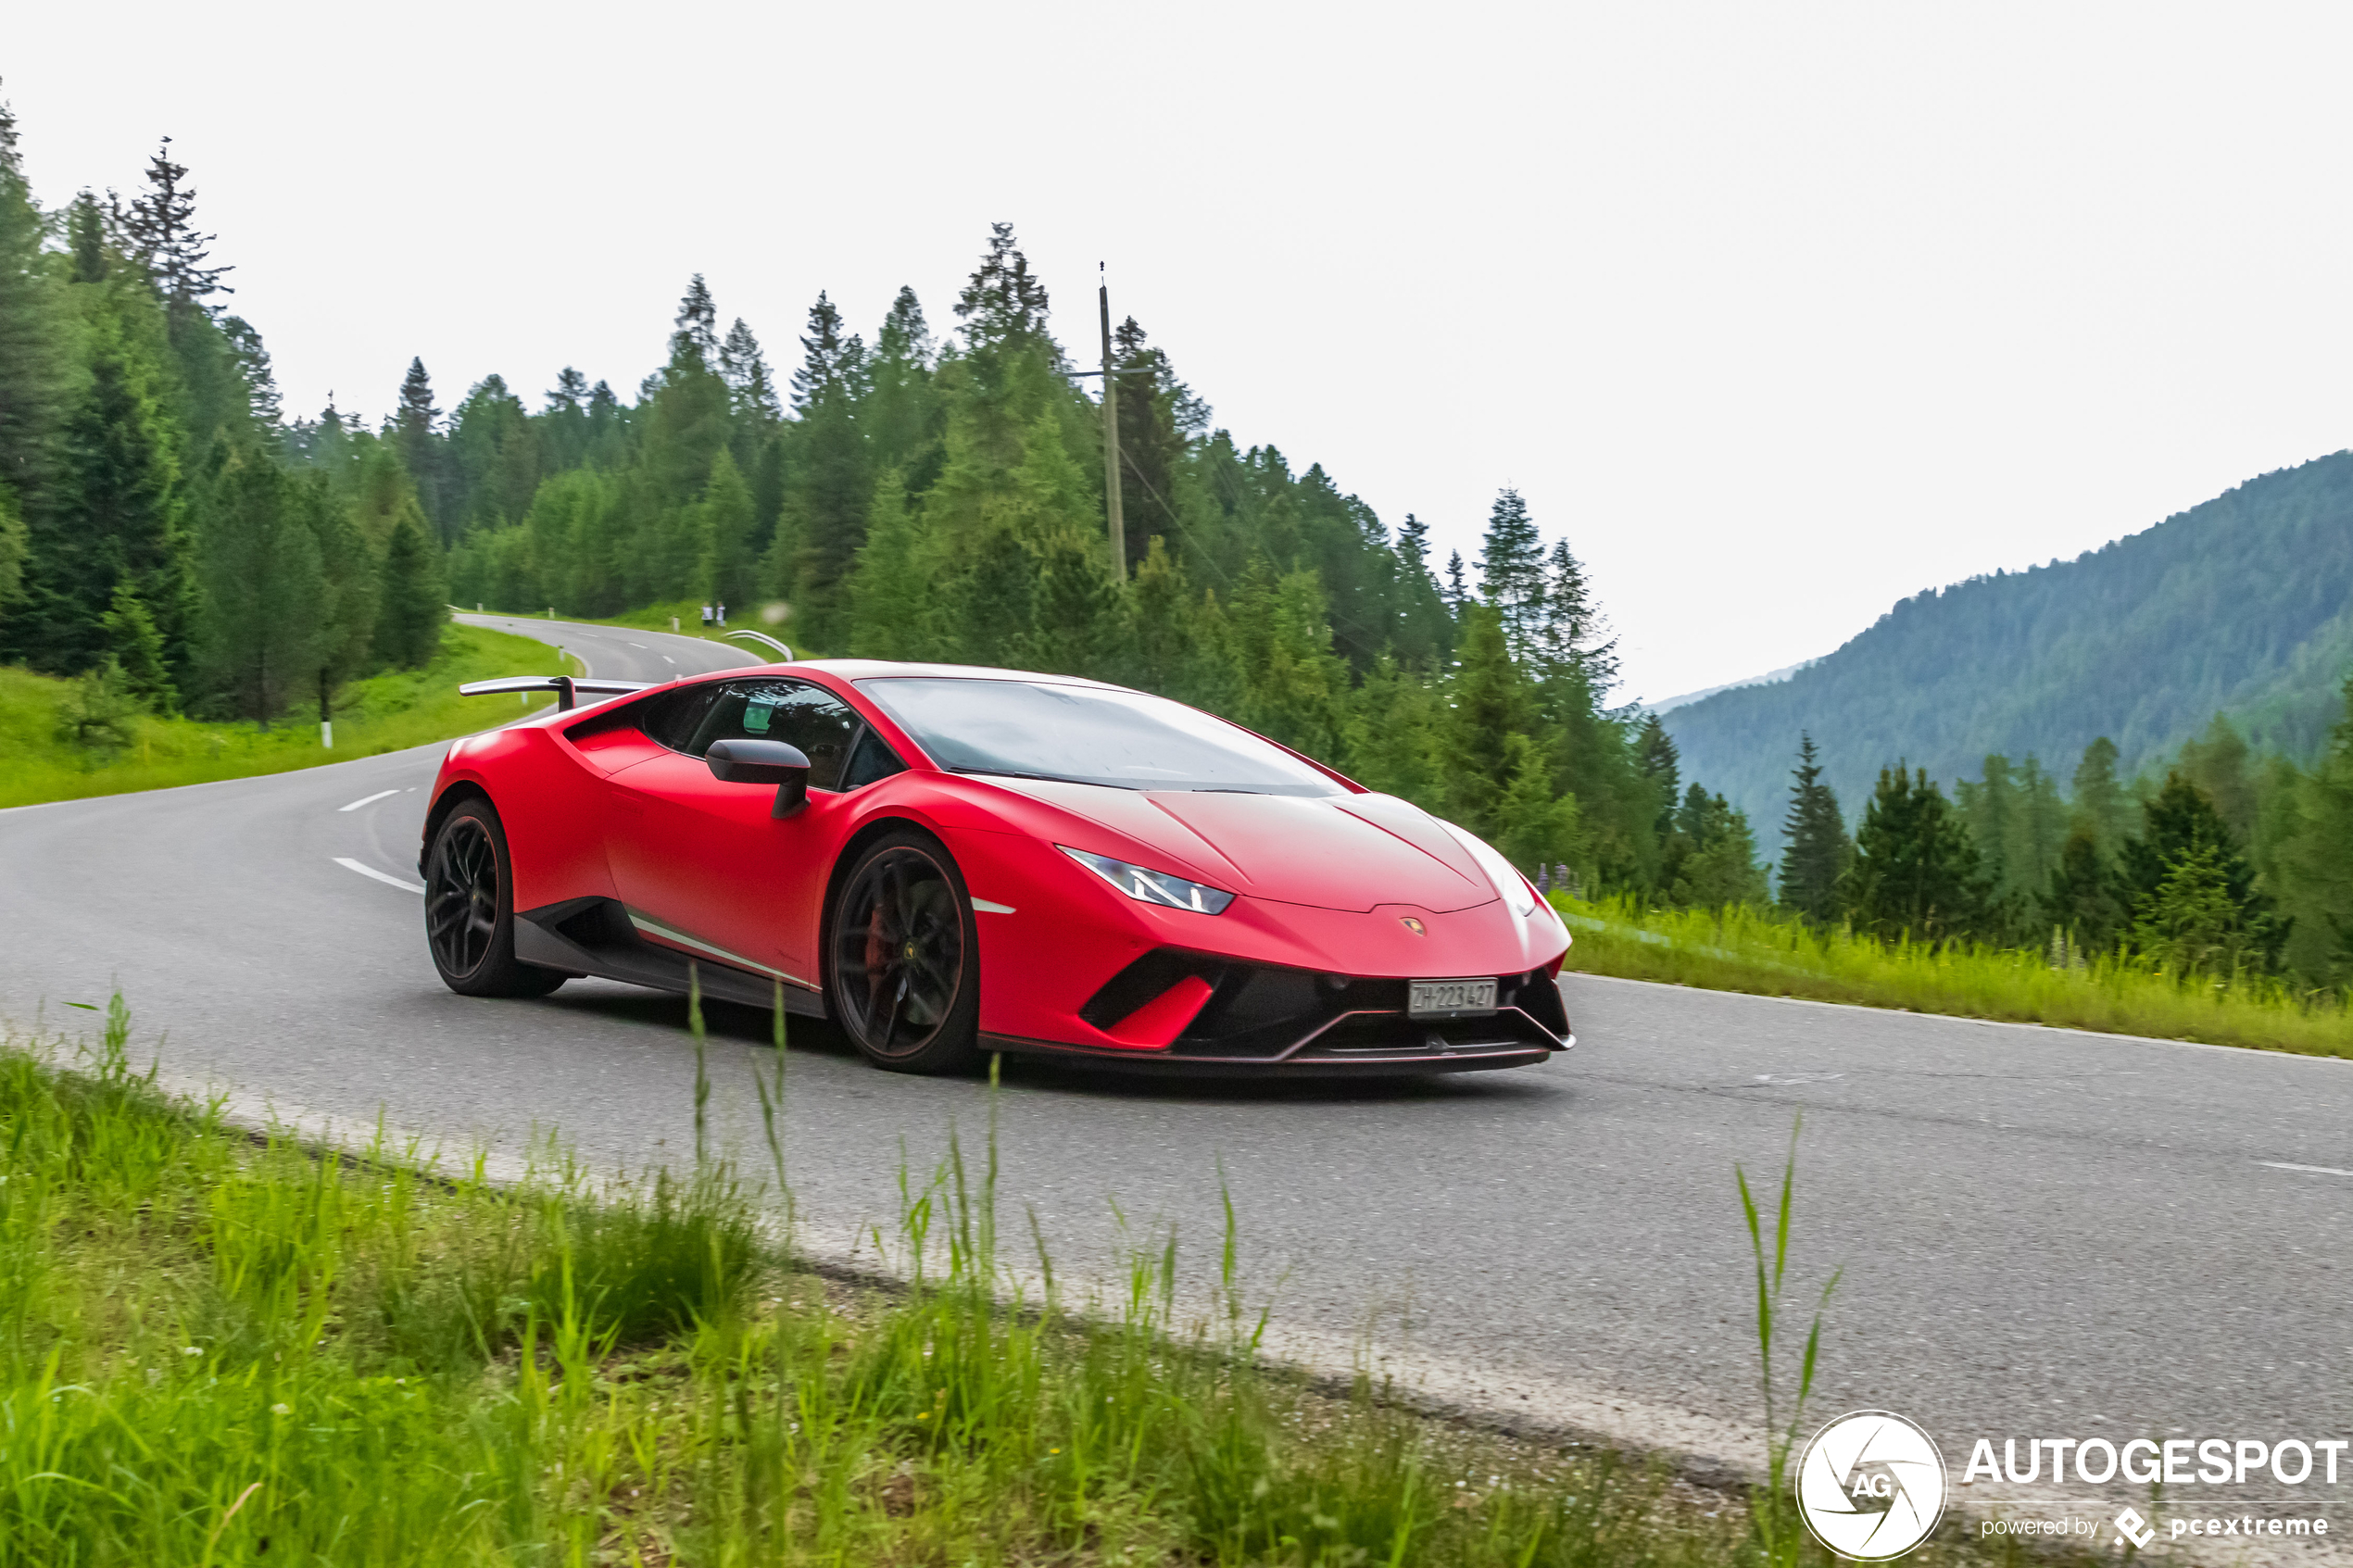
(1536, 828)
(2102, 808)
(416, 427)
(1491, 702)
(891, 593)
(2315, 860)
(33, 365)
(1660, 766)
(115, 513)
(2179, 825)
(15, 545)
(264, 592)
(161, 228)
(86, 240)
(833, 362)
(726, 572)
(1711, 855)
(136, 648)
(1002, 306)
(752, 387)
(1915, 872)
(831, 481)
(408, 624)
(1569, 632)
(2081, 897)
(2216, 763)
(1818, 849)
(1990, 808)
(901, 414)
(698, 324)
(1457, 594)
(1511, 574)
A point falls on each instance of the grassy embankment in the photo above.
(219, 1350)
(382, 713)
(1740, 949)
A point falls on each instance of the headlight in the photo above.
(1150, 887)
(1509, 882)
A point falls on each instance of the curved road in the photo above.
(2043, 1233)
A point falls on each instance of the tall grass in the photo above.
(215, 1348)
(382, 713)
(1744, 949)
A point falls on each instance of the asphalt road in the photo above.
(2042, 1233)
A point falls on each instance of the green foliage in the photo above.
(1818, 850)
(265, 593)
(2185, 865)
(100, 717)
(2083, 899)
(409, 625)
(1916, 874)
(2244, 604)
(136, 652)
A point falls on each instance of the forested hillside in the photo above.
(2243, 605)
(169, 537)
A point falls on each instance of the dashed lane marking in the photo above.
(367, 800)
(2309, 1170)
(347, 863)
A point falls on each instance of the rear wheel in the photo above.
(470, 908)
(905, 969)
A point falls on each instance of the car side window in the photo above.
(799, 714)
(673, 719)
(870, 761)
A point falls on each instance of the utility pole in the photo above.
(1111, 436)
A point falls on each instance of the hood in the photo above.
(1334, 852)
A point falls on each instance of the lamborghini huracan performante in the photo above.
(948, 860)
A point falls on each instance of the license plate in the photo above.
(1449, 999)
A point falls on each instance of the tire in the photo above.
(470, 908)
(903, 970)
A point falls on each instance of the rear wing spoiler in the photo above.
(569, 689)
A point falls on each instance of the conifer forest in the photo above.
(930, 486)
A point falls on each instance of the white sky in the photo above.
(1779, 312)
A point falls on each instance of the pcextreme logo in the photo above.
(1871, 1486)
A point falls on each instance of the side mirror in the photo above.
(763, 763)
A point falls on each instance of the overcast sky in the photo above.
(1779, 313)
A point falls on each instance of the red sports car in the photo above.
(948, 860)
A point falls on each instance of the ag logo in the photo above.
(1871, 1486)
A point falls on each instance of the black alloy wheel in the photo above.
(905, 970)
(469, 918)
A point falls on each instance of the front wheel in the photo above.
(470, 908)
(905, 970)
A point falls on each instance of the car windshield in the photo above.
(1087, 735)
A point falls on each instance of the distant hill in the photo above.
(1669, 705)
(2243, 605)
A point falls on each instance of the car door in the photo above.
(705, 865)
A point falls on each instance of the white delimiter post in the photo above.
(1111, 439)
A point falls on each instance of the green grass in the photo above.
(213, 1349)
(1744, 949)
(382, 713)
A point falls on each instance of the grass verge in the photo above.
(1742, 950)
(387, 712)
(219, 1350)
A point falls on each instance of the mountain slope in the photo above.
(2243, 605)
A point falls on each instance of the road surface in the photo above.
(2042, 1233)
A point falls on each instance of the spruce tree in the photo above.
(1536, 826)
(136, 648)
(831, 482)
(901, 411)
(265, 592)
(416, 426)
(2102, 808)
(2182, 823)
(2082, 898)
(752, 387)
(1511, 574)
(725, 573)
(86, 240)
(15, 545)
(1816, 849)
(1659, 765)
(34, 384)
(2314, 860)
(413, 613)
(1458, 593)
(1915, 873)
(1491, 702)
(1003, 306)
(892, 592)
(698, 324)
(160, 225)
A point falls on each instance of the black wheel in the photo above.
(906, 970)
(470, 914)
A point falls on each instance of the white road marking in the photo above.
(347, 863)
(667, 660)
(636, 645)
(2313, 1170)
(367, 800)
(983, 906)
